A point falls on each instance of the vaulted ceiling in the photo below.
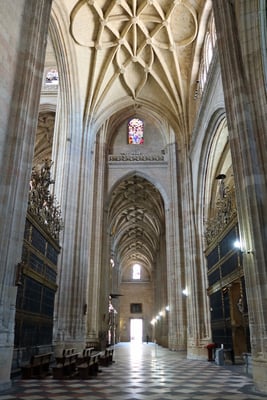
(141, 51)
(137, 222)
(142, 54)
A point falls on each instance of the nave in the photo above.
(145, 372)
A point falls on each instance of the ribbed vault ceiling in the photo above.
(140, 49)
(136, 54)
(136, 220)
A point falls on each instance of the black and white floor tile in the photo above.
(144, 372)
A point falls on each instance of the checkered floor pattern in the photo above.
(144, 372)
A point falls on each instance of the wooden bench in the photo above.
(89, 366)
(67, 352)
(38, 366)
(66, 366)
(95, 356)
(84, 355)
(107, 357)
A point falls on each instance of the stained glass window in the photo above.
(135, 131)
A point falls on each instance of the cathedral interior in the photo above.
(133, 177)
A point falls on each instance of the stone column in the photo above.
(239, 44)
(23, 33)
(175, 264)
(97, 252)
(195, 272)
(71, 159)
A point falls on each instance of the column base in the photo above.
(198, 353)
(259, 373)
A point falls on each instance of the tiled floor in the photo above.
(145, 372)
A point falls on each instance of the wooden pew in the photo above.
(83, 356)
(38, 366)
(89, 365)
(67, 352)
(85, 365)
(95, 356)
(107, 357)
(66, 366)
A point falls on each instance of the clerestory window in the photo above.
(135, 131)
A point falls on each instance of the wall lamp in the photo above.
(237, 245)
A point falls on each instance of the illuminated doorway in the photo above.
(137, 330)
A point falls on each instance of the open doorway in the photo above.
(136, 330)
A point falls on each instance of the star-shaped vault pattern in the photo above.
(137, 42)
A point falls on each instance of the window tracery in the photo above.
(206, 57)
